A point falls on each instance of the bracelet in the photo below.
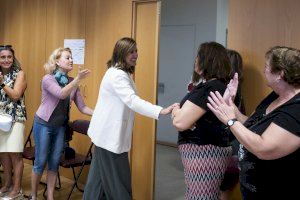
(2, 85)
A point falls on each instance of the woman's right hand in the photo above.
(169, 109)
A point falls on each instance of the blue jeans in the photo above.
(49, 143)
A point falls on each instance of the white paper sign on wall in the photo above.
(77, 47)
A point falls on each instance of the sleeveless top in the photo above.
(7, 105)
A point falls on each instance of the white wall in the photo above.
(185, 24)
(222, 22)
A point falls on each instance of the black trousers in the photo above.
(109, 177)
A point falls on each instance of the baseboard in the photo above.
(166, 143)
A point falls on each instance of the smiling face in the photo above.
(131, 57)
(6, 59)
(65, 62)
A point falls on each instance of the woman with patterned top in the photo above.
(269, 139)
(13, 85)
(51, 118)
(202, 141)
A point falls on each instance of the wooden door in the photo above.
(253, 27)
(146, 18)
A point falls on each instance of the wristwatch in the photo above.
(231, 122)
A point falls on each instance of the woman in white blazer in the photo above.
(111, 126)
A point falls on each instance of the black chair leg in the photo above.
(79, 173)
(75, 181)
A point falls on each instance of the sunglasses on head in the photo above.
(5, 46)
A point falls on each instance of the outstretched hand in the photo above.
(169, 109)
(223, 111)
(82, 73)
(231, 89)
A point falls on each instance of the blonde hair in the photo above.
(50, 66)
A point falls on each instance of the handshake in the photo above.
(169, 109)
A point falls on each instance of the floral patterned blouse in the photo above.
(15, 109)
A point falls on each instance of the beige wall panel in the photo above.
(146, 18)
(26, 30)
(253, 27)
(107, 21)
(3, 8)
(56, 22)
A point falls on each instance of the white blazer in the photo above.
(112, 121)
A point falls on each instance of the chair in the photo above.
(81, 127)
(28, 152)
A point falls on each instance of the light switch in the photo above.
(161, 88)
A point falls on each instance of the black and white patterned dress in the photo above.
(13, 140)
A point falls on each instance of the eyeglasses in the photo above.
(5, 46)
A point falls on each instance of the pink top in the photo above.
(51, 94)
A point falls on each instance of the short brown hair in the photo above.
(286, 60)
(214, 62)
(122, 48)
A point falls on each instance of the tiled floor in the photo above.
(169, 178)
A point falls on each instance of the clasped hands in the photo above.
(169, 109)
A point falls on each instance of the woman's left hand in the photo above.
(223, 111)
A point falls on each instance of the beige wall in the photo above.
(253, 27)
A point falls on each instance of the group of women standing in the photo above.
(269, 139)
(206, 118)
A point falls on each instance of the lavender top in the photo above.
(51, 94)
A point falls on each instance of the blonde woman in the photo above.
(58, 90)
